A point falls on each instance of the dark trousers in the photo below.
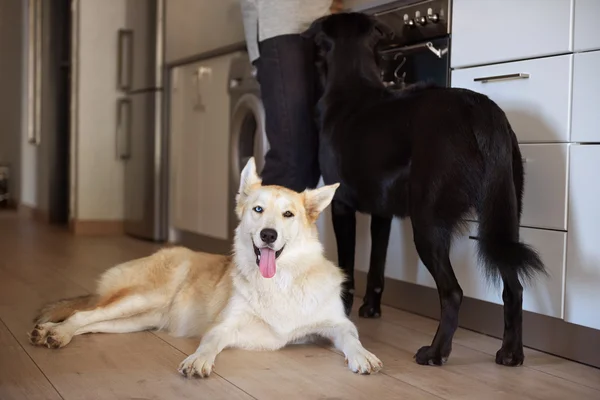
(288, 81)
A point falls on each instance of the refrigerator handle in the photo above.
(125, 59)
(34, 72)
(124, 129)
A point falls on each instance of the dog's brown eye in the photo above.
(288, 214)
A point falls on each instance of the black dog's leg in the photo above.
(380, 235)
(511, 353)
(344, 226)
(433, 246)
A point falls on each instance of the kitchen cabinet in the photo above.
(546, 180)
(195, 27)
(536, 97)
(545, 191)
(543, 296)
(200, 147)
(585, 121)
(185, 144)
(582, 290)
(586, 30)
(491, 31)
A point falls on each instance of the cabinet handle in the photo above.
(497, 78)
(124, 129)
(125, 59)
(198, 75)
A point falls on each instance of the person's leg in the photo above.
(287, 76)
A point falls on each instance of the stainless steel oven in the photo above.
(420, 49)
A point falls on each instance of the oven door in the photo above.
(427, 61)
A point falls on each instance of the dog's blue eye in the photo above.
(258, 209)
(288, 214)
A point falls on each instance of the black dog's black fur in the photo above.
(429, 153)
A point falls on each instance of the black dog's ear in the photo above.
(383, 30)
(315, 29)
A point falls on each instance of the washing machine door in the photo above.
(248, 137)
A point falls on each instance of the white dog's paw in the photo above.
(196, 366)
(363, 362)
(50, 335)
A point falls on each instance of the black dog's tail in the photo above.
(499, 216)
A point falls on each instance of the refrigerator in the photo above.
(141, 144)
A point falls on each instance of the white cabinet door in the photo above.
(546, 179)
(212, 105)
(542, 296)
(491, 31)
(185, 145)
(582, 293)
(537, 103)
(585, 121)
(586, 30)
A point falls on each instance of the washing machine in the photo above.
(247, 126)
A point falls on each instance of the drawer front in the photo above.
(586, 30)
(582, 293)
(585, 121)
(491, 31)
(537, 104)
(542, 296)
(546, 180)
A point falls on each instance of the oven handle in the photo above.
(496, 78)
(409, 49)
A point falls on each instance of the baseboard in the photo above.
(540, 332)
(203, 243)
(34, 213)
(96, 227)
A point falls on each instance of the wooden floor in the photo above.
(40, 263)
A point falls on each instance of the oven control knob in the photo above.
(408, 21)
(431, 16)
(419, 19)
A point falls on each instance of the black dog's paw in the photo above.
(427, 355)
(510, 357)
(369, 310)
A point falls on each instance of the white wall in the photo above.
(197, 26)
(98, 186)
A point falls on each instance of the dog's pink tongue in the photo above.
(267, 262)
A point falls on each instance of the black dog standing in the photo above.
(432, 154)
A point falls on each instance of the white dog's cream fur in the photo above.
(226, 300)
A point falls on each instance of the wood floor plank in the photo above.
(20, 378)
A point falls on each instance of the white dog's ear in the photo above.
(248, 179)
(315, 201)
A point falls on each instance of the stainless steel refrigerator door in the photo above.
(144, 167)
(141, 46)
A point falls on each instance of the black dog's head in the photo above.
(354, 28)
(348, 39)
